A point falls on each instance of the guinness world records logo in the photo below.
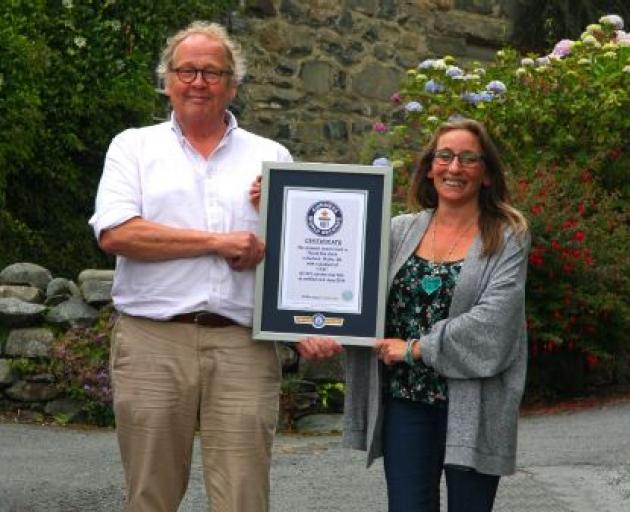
(324, 218)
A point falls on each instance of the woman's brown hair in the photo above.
(494, 200)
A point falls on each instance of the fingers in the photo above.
(243, 250)
(389, 350)
(313, 347)
(254, 192)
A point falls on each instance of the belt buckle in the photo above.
(203, 318)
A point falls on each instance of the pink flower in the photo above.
(395, 98)
(563, 48)
(379, 127)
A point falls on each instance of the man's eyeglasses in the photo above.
(466, 158)
(209, 76)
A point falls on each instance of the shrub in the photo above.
(72, 75)
(562, 125)
(81, 367)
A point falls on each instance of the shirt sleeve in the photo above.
(119, 196)
(484, 341)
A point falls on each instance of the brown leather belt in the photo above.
(204, 318)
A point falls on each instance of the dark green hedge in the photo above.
(73, 73)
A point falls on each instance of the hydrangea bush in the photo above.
(562, 123)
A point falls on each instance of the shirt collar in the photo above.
(232, 124)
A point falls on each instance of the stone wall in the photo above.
(322, 71)
(34, 309)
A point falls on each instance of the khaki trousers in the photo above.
(164, 374)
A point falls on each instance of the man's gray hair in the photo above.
(233, 53)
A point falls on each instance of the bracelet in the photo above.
(409, 352)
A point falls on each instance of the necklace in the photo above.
(433, 282)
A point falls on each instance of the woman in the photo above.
(442, 390)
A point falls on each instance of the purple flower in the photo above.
(471, 97)
(395, 98)
(496, 86)
(486, 96)
(426, 64)
(413, 106)
(379, 127)
(433, 87)
(453, 71)
(563, 48)
(382, 161)
(542, 61)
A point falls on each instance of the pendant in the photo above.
(430, 283)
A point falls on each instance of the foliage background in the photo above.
(562, 125)
(73, 73)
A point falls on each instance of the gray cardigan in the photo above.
(481, 348)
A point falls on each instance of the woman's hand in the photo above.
(254, 193)
(390, 350)
(314, 347)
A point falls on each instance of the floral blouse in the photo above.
(412, 309)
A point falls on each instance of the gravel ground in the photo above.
(568, 462)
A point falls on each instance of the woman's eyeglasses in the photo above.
(466, 158)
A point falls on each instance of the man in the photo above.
(173, 205)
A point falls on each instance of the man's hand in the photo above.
(241, 249)
(314, 347)
(254, 193)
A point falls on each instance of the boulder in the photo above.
(30, 342)
(25, 293)
(73, 313)
(26, 274)
(59, 290)
(6, 372)
(324, 370)
(17, 313)
(96, 293)
(32, 391)
(319, 424)
(95, 274)
(71, 409)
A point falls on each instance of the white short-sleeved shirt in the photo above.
(154, 173)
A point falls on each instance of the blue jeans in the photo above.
(414, 437)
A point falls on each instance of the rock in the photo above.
(17, 313)
(336, 130)
(6, 372)
(26, 273)
(262, 8)
(376, 81)
(60, 286)
(71, 409)
(317, 76)
(288, 356)
(93, 274)
(25, 293)
(319, 423)
(30, 342)
(32, 391)
(324, 370)
(481, 28)
(42, 378)
(97, 293)
(74, 313)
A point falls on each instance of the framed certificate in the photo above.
(326, 229)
